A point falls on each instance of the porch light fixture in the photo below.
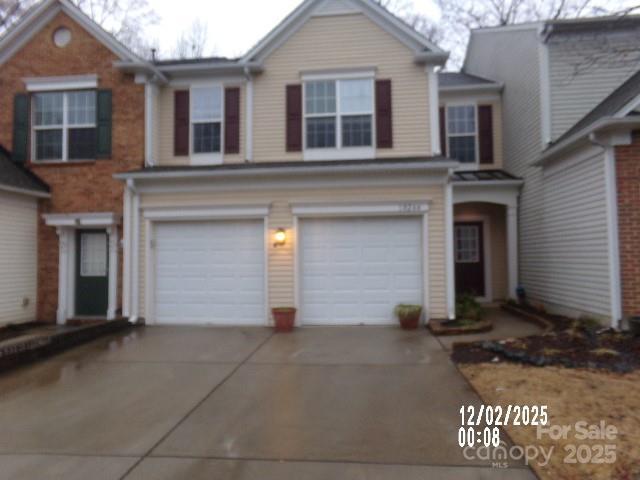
(280, 237)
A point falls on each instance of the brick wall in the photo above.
(628, 179)
(86, 187)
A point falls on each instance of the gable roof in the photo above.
(34, 19)
(425, 51)
(609, 107)
(462, 81)
(16, 178)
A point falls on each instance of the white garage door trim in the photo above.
(153, 216)
(417, 208)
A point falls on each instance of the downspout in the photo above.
(131, 240)
(613, 239)
(449, 266)
(249, 115)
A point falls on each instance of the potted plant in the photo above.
(284, 318)
(468, 310)
(408, 315)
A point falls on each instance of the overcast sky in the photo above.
(233, 25)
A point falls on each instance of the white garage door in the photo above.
(355, 270)
(210, 273)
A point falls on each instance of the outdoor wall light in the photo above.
(280, 237)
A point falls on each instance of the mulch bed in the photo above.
(566, 344)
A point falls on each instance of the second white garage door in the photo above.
(210, 273)
(355, 270)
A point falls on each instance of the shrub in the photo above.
(468, 308)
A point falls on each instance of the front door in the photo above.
(469, 257)
(92, 273)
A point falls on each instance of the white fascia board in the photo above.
(604, 125)
(509, 28)
(70, 82)
(284, 170)
(24, 191)
(100, 219)
(338, 74)
(492, 87)
(486, 183)
(416, 207)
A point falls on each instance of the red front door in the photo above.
(469, 258)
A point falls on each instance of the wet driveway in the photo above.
(240, 403)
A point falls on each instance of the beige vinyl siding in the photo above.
(574, 271)
(513, 58)
(583, 70)
(342, 42)
(496, 215)
(281, 288)
(496, 114)
(18, 257)
(166, 124)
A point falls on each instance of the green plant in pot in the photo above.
(468, 310)
(284, 318)
(408, 315)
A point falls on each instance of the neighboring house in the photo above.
(306, 173)
(555, 74)
(73, 113)
(20, 192)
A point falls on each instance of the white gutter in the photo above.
(602, 125)
(489, 87)
(215, 67)
(286, 170)
(431, 58)
(487, 183)
(24, 191)
(141, 67)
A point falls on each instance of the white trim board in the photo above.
(70, 82)
(206, 213)
(416, 207)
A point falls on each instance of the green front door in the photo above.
(92, 272)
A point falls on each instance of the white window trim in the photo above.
(467, 165)
(64, 126)
(212, 158)
(338, 152)
(51, 84)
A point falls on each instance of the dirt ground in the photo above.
(572, 395)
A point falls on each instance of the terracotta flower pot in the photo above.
(284, 318)
(410, 322)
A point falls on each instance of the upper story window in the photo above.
(462, 133)
(339, 113)
(206, 120)
(64, 125)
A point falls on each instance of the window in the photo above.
(206, 119)
(93, 255)
(339, 113)
(467, 244)
(64, 125)
(462, 133)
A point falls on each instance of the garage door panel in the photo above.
(210, 273)
(355, 270)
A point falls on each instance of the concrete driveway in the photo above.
(241, 403)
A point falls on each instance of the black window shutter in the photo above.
(443, 132)
(103, 114)
(485, 133)
(232, 120)
(294, 118)
(20, 127)
(384, 114)
(181, 123)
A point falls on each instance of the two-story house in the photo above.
(310, 172)
(570, 90)
(73, 117)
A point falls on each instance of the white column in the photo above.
(450, 270)
(135, 248)
(150, 94)
(615, 277)
(113, 272)
(512, 248)
(126, 253)
(63, 263)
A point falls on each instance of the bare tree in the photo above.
(124, 19)
(459, 17)
(193, 41)
(404, 9)
(10, 11)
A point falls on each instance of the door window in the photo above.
(467, 239)
(93, 255)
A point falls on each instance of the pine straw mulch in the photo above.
(572, 395)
